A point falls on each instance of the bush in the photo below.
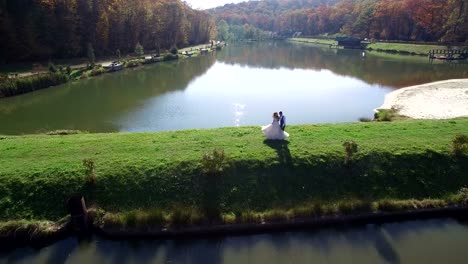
(170, 56)
(180, 216)
(17, 86)
(350, 207)
(212, 168)
(139, 49)
(215, 163)
(134, 63)
(97, 71)
(275, 216)
(351, 148)
(52, 68)
(89, 167)
(174, 50)
(460, 145)
(385, 115)
(64, 132)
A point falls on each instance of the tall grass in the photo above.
(11, 87)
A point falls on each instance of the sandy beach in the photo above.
(437, 100)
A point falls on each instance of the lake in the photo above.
(429, 241)
(241, 85)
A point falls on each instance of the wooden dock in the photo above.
(448, 54)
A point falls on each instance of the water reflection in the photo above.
(241, 85)
(373, 68)
(433, 241)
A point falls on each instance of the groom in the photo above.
(282, 120)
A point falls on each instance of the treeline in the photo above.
(45, 29)
(422, 20)
(234, 32)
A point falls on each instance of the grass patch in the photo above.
(314, 41)
(404, 48)
(399, 160)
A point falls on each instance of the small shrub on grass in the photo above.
(144, 219)
(134, 63)
(461, 197)
(303, 211)
(212, 168)
(460, 145)
(97, 71)
(229, 218)
(353, 207)
(89, 167)
(214, 164)
(385, 115)
(180, 216)
(52, 68)
(249, 217)
(113, 220)
(174, 50)
(64, 132)
(275, 216)
(351, 148)
(394, 206)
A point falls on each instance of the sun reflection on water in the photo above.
(239, 112)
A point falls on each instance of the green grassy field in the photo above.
(406, 48)
(314, 41)
(396, 160)
(402, 48)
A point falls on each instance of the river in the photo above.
(241, 85)
(428, 241)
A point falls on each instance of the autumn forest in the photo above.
(45, 29)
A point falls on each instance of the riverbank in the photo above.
(25, 82)
(387, 47)
(169, 173)
(437, 100)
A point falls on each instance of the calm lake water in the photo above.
(241, 85)
(434, 241)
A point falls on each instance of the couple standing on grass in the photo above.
(275, 130)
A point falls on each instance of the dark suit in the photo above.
(283, 122)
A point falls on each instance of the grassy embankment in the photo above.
(161, 179)
(396, 48)
(314, 41)
(63, 73)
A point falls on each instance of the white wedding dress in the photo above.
(273, 131)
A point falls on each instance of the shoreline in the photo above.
(10, 241)
(437, 100)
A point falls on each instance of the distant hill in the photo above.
(263, 14)
(423, 20)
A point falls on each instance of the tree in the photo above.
(139, 49)
(223, 30)
(91, 56)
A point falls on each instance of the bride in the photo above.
(273, 130)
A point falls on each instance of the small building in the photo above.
(349, 42)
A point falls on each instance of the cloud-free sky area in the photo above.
(205, 4)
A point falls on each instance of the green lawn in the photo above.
(407, 48)
(314, 41)
(397, 160)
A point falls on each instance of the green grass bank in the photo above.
(63, 73)
(165, 172)
(388, 47)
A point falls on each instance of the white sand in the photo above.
(437, 100)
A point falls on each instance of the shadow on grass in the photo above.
(282, 149)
